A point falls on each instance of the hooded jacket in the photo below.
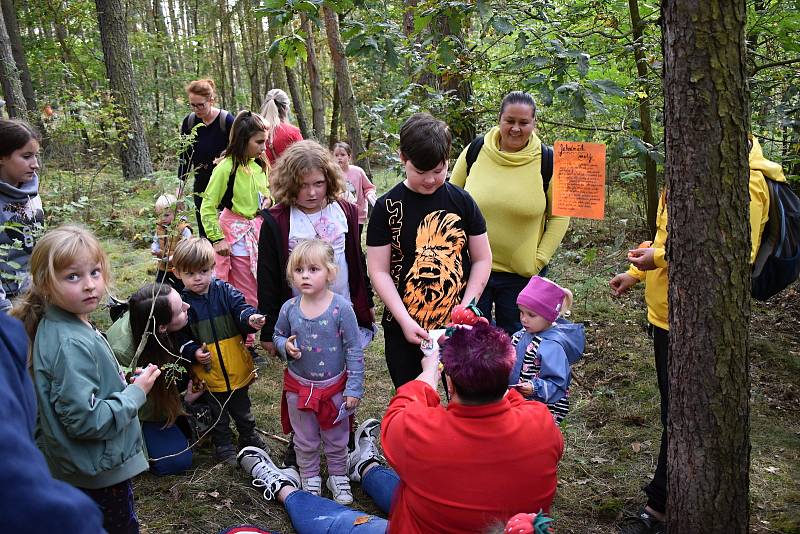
(21, 219)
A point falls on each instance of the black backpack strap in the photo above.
(472, 152)
(547, 166)
(227, 198)
(223, 122)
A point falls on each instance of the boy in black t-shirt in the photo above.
(427, 248)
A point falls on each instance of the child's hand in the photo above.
(222, 247)
(257, 321)
(642, 258)
(291, 349)
(621, 283)
(351, 403)
(202, 355)
(146, 378)
(269, 348)
(525, 388)
(194, 391)
(414, 333)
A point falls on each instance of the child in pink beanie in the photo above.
(546, 346)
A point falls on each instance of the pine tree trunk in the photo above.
(277, 70)
(333, 138)
(18, 52)
(347, 98)
(297, 103)
(314, 82)
(9, 76)
(706, 122)
(135, 155)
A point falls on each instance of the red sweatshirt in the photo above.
(462, 467)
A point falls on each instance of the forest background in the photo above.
(104, 80)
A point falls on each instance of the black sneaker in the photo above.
(226, 454)
(642, 523)
(290, 456)
(258, 360)
(253, 440)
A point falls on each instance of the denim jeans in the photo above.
(311, 514)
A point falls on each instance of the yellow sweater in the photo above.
(507, 187)
(655, 292)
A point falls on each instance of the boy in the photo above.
(220, 319)
(426, 241)
(166, 237)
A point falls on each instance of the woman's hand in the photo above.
(643, 258)
(621, 283)
(222, 247)
(351, 403)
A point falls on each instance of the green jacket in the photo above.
(88, 429)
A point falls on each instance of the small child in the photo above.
(358, 185)
(88, 425)
(166, 237)
(317, 334)
(546, 346)
(427, 248)
(221, 319)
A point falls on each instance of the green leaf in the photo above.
(502, 25)
(583, 64)
(484, 9)
(578, 107)
(421, 22)
(445, 52)
(522, 42)
(609, 87)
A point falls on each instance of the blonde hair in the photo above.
(297, 160)
(312, 251)
(205, 88)
(566, 304)
(192, 254)
(164, 202)
(54, 251)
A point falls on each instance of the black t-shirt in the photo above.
(429, 238)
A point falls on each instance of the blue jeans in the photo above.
(502, 290)
(311, 514)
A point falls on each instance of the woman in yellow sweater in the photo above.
(506, 182)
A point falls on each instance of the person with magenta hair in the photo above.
(489, 455)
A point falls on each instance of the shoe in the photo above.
(290, 456)
(258, 360)
(313, 485)
(340, 488)
(365, 452)
(257, 463)
(225, 453)
(253, 440)
(642, 523)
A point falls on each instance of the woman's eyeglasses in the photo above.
(199, 105)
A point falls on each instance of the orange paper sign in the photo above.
(579, 177)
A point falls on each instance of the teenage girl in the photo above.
(239, 185)
(358, 185)
(275, 110)
(21, 214)
(88, 425)
(317, 334)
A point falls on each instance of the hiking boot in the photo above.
(257, 463)
(340, 488)
(313, 485)
(366, 451)
(225, 453)
(642, 523)
(253, 440)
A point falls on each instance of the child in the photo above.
(21, 214)
(546, 345)
(317, 334)
(358, 185)
(88, 425)
(306, 185)
(239, 185)
(166, 237)
(427, 248)
(220, 319)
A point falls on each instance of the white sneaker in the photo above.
(313, 485)
(340, 488)
(365, 451)
(257, 463)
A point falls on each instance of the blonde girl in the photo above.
(357, 183)
(275, 110)
(89, 429)
(317, 334)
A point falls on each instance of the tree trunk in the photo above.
(297, 102)
(277, 70)
(706, 122)
(314, 82)
(650, 173)
(134, 155)
(9, 76)
(347, 98)
(12, 27)
(333, 138)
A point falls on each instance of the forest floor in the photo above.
(611, 434)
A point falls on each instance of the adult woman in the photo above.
(210, 140)
(275, 110)
(506, 182)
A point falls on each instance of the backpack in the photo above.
(777, 263)
(547, 160)
(223, 121)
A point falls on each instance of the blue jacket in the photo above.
(33, 500)
(559, 348)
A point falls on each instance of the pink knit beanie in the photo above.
(542, 297)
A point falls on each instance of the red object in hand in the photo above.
(469, 314)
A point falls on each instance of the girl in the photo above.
(275, 110)
(358, 185)
(318, 335)
(239, 184)
(21, 214)
(88, 428)
(306, 185)
(546, 346)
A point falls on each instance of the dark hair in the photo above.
(344, 146)
(159, 345)
(245, 125)
(425, 141)
(518, 97)
(15, 134)
(478, 361)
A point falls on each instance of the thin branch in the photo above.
(775, 64)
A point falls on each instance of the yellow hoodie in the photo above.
(655, 292)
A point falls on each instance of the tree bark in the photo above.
(277, 70)
(333, 138)
(12, 27)
(297, 102)
(9, 75)
(134, 155)
(347, 98)
(314, 82)
(706, 122)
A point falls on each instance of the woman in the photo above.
(275, 110)
(506, 182)
(210, 141)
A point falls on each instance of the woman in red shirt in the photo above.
(276, 110)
